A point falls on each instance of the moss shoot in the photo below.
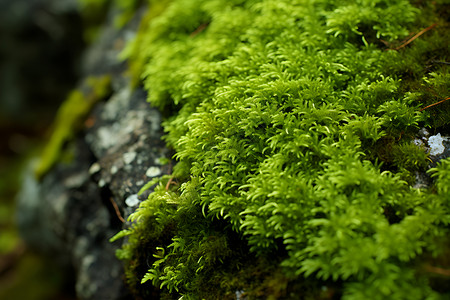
(292, 123)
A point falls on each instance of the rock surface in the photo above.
(80, 205)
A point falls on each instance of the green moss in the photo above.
(69, 119)
(410, 156)
(282, 115)
(135, 51)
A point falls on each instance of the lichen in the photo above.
(292, 123)
(436, 144)
(70, 117)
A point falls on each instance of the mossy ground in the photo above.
(292, 124)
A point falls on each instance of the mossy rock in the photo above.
(70, 117)
(292, 123)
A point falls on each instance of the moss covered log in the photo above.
(293, 126)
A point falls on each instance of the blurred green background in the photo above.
(41, 42)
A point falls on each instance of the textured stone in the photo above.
(79, 205)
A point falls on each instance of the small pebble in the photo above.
(153, 172)
(95, 168)
(129, 157)
(114, 169)
(132, 200)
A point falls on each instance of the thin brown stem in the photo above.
(434, 104)
(437, 270)
(169, 183)
(415, 36)
(199, 29)
(116, 208)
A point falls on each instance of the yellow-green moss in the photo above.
(292, 123)
(70, 117)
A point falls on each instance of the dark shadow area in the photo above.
(41, 42)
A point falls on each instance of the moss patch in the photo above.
(282, 114)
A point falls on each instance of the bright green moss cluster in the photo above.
(287, 112)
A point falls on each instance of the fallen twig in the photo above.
(434, 104)
(199, 29)
(437, 270)
(169, 183)
(415, 36)
(116, 208)
(439, 62)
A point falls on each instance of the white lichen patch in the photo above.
(106, 137)
(117, 103)
(153, 172)
(436, 144)
(132, 200)
(101, 183)
(128, 157)
(95, 168)
(74, 181)
(114, 169)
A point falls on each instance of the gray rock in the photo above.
(127, 140)
(70, 215)
(438, 148)
(78, 206)
(66, 217)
